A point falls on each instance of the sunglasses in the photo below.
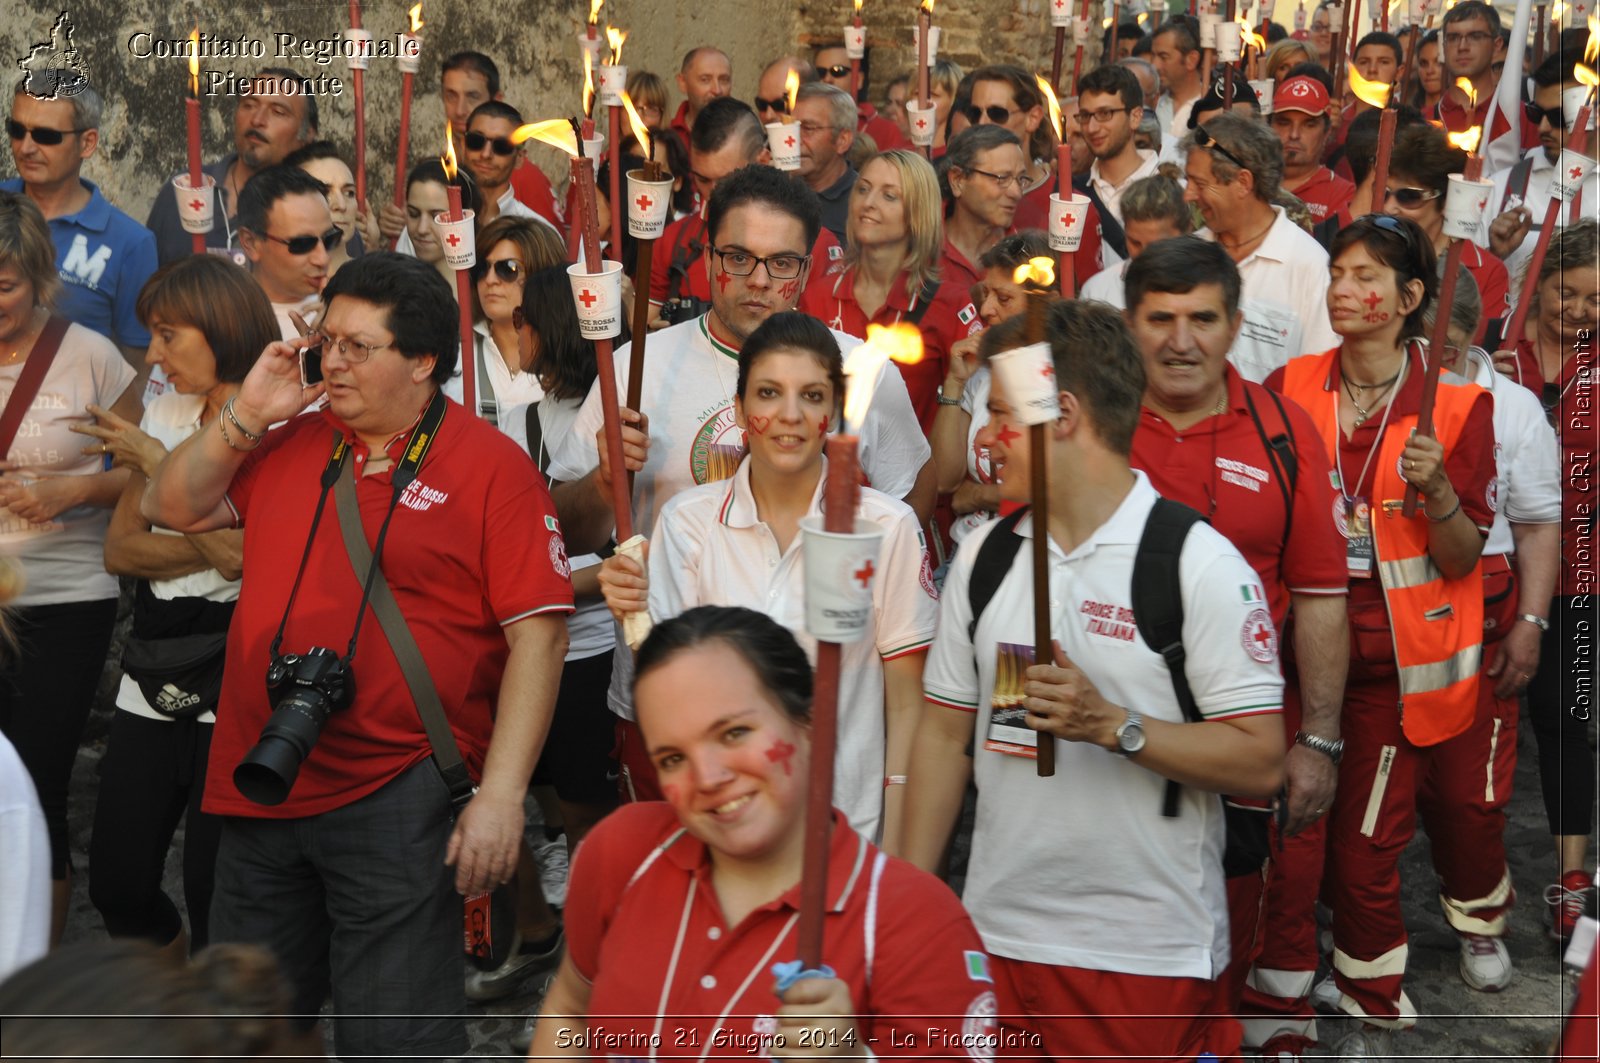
(998, 115)
(304, 245)
(1411, 197)
(834, 71)
(781, 104)
(43, 136)
(1204, 139)
(501, 145)
(1535, 113)
(507, 269)
(1390, 224)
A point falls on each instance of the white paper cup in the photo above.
(840, 568)
(1209, 22)
(610, 81)
(1061, 13)
(408, 52)
(596, 48)
(598, 298)
(1264, 88)
(784, 140)
(855, 42)
(649, 203)
(595, 150)
(1028, 376)
(1465, 207)
(635, 626)
(1572, 170)
(1067, 220)
(1080, 30)
(921, 121)
(359, 48)
(933, 41)
(1572, 101)
(1229, 42)
(195, 208)
(458, 240)
(1300, 18)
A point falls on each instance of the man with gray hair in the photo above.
(104, 257)
(1235, 175)
(826, 117)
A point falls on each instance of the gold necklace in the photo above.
(1363, 412)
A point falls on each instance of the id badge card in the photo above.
(1358, 552)
(1009, 732)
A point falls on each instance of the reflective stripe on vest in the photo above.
(1436, 622)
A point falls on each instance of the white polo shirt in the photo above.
(1285, 301)
(711, 548)
(1081, 869)
(1527, 460)
(1107, 286)
(1111, 195)
(1536, 197)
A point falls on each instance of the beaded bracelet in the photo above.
(1440, 520)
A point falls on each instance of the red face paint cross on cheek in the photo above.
(822, 428)
(782, 752)
(722, 281)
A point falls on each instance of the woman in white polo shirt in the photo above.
(737, 541)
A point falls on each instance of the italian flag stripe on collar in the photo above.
(716, 344)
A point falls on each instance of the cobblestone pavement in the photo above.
(1456, 1022)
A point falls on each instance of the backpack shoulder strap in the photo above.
(1517, 182)
(1110, 228)
(925, 298)
(1280, 452)
(1158, 604)
(989, 568)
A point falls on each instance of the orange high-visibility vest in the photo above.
(1436, 623)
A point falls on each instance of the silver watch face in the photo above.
(1131, 737)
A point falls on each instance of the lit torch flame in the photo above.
(1252, 39)
(901, 343)
(588, 82)
(791, 89)
(594, 11)
(194, 62)
(1040, 272)
(1586, 75)
(1105, 23)
(415, 14)
(927, 7)
(1050, 100)
(1467, 140)
(1143, 17)
(858, 7)
(448, 159)
(614, 38)
(1373, 93)
(556, 132)
(641, 132)
(1591, 50)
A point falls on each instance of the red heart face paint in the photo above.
(759, 423)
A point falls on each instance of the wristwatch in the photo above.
(1332, 748)
(1130, 736)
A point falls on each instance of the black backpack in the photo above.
(1157, 598)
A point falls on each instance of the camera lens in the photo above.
(267, 772)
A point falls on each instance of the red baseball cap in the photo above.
(1302, 93)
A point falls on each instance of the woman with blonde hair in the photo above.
(894, 240)
(1284, 56)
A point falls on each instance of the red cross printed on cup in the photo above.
(1060, 4)
(1048, 372)
(452, 240)
(1484, 202)
(1068, 219)
(588, 299)
(1575, 173)
(922, 123)
(196, 204)
(788, 141)
(863, 575)
(645, 203)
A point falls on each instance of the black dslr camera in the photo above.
(304, 690)
(683, 308)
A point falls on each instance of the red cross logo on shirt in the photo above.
(197, 204)
(863, 575)
(1262, 637)
(588, 299)
(1007, 434)
(452, 240)
(645, 203)
(1372, 300)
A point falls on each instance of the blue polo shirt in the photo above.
(104, 257)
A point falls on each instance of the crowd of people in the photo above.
(425, 734)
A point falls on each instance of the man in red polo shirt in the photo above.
(833, 67)
(1256, 467)
(1470, 40)
(334, 852)
(706, 75)
(1300, 118)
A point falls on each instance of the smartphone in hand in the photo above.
(311, 365)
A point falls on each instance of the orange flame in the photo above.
(588, 82)
(1591, 50)
(1251, 38)
(1039, 271)
(449, 156)
(415, 15)
(1585, 75)
(791, 89)
(556, 132)
(1049, 94)
(614, 38)
(900, 342)
(641, 132)
(1372, 93)
(594, 11)
(858, 7)
(927, 6)
(1471, 93)
(194, 61)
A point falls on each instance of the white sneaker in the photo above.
(551, 856)
(1364, 1044)
(1325, 996)
(1485, 964)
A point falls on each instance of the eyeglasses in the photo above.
(353, 351)
(304, 245)
(1410, 197)
(1204, 139)
(501, 145)
(1451, 40)
(1102, 116)
(43, 136)
(834, 71)
(509, 270)
(781, 104)
(742, 263)
(1004, 181)
(812, 129)
(1390, 224)
(997, 114)
(1537, 114)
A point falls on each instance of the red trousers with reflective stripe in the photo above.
(1124, 1016)
(1468, 785)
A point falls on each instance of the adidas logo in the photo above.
(171, 700)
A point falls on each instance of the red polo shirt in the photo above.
(473, 545)
(883, 132)
(1220, 467)
(680, 123)
(834, 303)
(682, 237)
(1457, 119)
(1579, 432)
(645, 928)
(1325, 193)
(1494, 284)
(532, 189)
